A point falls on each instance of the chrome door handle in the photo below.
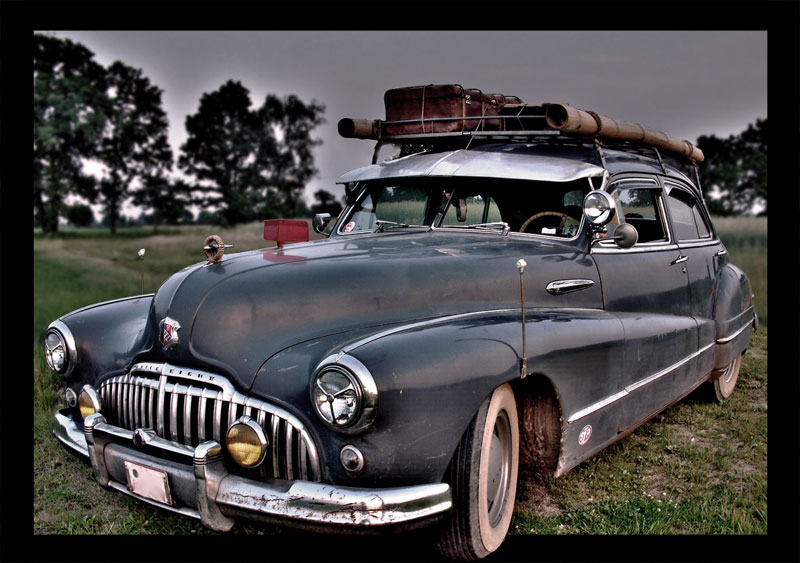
(721, 252)
(679, 260)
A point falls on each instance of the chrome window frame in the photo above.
(712, 238)
(614, 186)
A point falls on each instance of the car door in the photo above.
(704, 252)
(647, 287)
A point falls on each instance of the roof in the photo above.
(511, 161)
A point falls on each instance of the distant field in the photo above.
(698, 468)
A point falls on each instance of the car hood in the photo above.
(236, 314)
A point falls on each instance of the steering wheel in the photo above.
(532, 218)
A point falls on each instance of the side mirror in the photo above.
(625, 235)
(320, 221)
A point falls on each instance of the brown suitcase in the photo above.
(441, 108)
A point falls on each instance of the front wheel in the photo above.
(483, 478)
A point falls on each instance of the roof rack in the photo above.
(528, 121)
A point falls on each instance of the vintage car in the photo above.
(486, 299)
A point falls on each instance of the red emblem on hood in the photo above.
(169, 332)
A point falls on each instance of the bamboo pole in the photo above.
(567, 119)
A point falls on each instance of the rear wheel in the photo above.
(722, 386)
(483, 478)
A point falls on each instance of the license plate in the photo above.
(148, 482)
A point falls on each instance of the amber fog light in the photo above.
(247, 442)
(88, 401)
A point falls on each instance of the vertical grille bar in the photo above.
(162, 395)
(217, 415)
(289, 451)
(137, 396)
(201, 417)
(187, 416)
(120, 394)
(173, 414)
(275, 434)
(131, 402)
(303, 464)
(143, 404)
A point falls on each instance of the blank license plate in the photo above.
(148, 482)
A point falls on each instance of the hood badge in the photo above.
(169, 332)
(214, 248)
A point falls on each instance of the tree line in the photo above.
(100, 133)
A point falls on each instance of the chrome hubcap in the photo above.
(499, 470)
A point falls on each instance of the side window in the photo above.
(639, 207)
(687, 220)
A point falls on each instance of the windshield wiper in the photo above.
(381, 224)
(488, 226)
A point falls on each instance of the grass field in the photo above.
(698, 468)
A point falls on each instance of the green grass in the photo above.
(698, 468)
(746, 241)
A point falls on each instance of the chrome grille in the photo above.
(192, 406)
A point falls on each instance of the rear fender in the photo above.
(734, 316)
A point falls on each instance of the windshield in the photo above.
(540, 208)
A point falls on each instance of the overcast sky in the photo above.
(684, 83)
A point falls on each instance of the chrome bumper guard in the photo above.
(220, 494)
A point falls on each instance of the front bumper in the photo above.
(201, 487)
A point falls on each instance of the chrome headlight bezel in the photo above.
(599, 207)
(66, 344)
(363, 386)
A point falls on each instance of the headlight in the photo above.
(337, 397)
(55, 351)
(59, 348)
(88, 401)
(247, 442)
(344, 394)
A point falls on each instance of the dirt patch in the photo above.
(533, 495)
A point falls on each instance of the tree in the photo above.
(80, 215)
(735, 169)
(290, 121)
(168, 200)
(69, 113)
(250, 164)
(326, 203)
(134, 146)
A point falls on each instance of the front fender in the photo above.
(433, 375)
(107, 335)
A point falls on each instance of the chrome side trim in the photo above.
(637, 249)
(633, 386)
(730, 337)
(562, 287)
(378, 335)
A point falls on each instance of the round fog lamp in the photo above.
(88, 401)
(247, 442)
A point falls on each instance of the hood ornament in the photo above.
(168, 335)
(214, 249)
